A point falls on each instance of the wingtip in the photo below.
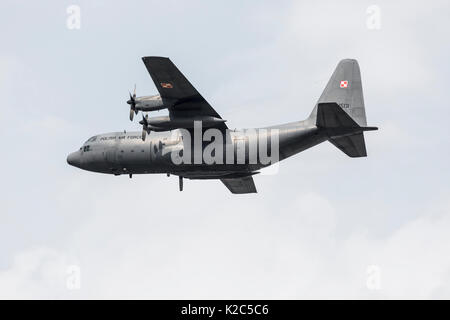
(153, 58)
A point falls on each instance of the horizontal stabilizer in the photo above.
(331, 115)
(353, 146)
(342, 130)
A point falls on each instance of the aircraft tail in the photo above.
(340, 110)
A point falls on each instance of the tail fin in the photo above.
(345, 89)
(340, 110)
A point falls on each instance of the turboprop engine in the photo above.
(164, 123)
(144, 103)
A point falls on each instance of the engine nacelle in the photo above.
(149, 103)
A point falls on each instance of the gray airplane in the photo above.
(339, 117)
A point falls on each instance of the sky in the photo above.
(324, 226)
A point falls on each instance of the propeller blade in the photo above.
(145, 129)
(134, 92)
(131, 114)
(131, 100)
(132, 103)
(144, 120)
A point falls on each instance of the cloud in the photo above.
(38, 272)
(253, 253)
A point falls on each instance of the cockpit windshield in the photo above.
(87, 145)
(92, 139)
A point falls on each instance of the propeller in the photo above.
(132, 103)
(145, 128)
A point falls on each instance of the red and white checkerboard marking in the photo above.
(344, 84)
(166, 85)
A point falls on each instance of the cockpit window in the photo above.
(87, 148)
(92, 139)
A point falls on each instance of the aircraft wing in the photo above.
(176, 91)
(240, 185)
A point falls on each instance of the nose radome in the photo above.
(73, 159)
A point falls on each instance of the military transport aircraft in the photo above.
(178, 143)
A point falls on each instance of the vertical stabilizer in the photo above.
(345, 89)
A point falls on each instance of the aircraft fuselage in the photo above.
(126, 153)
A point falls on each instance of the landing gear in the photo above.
(131, 175)
(168, 174)
(180, 180)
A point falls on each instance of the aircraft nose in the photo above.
(73, 159)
